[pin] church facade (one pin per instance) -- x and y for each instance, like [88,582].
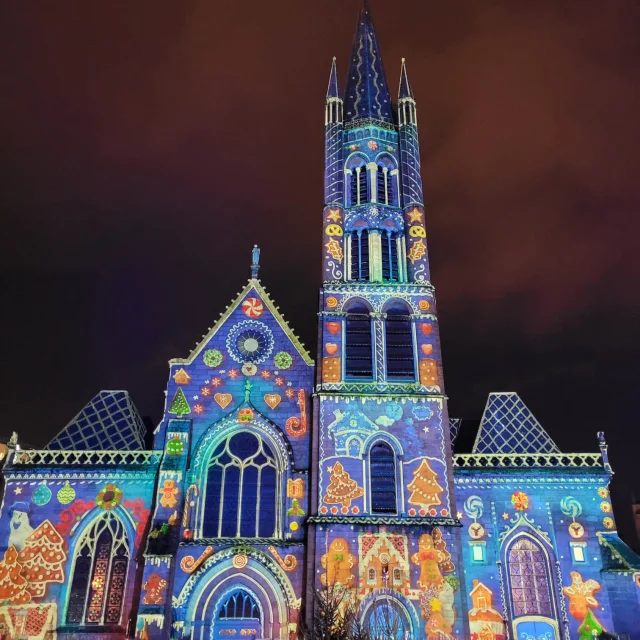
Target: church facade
[275,477]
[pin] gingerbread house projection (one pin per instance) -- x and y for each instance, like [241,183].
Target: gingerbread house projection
[274,479]
[485,623]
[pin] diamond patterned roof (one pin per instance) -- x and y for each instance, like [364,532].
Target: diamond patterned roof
[507,426]
[109,421]
[454,429]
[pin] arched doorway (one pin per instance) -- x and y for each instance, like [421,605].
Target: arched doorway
[385,617]
[238,616]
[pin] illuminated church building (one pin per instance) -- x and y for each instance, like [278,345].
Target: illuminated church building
[274,476]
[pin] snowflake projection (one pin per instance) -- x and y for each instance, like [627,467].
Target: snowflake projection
[250,341]
[334,249]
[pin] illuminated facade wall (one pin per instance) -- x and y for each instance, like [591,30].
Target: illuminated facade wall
[273,477]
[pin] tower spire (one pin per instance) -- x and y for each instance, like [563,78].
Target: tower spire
[367,92]
[332,89]
[404,91]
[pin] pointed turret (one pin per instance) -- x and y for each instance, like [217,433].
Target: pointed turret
[367,92]
[404,90]
[332,89]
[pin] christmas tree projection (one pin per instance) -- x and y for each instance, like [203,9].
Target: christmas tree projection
[425,490]
[43,559]
[13,586]
[342,489]
[179,405]
[590,627]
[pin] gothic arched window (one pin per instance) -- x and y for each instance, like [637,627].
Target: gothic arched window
[529,579]
[399,344]
[242,489]
[390,268]
[382,478]
[358,344]
[360,255]
[99,573]
[239,605]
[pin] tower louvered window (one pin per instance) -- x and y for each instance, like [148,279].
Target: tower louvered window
[382,477]
[241,489]
[390,268]
[360,255]
[364,185]
[399,344]
[358,345]
[99,574]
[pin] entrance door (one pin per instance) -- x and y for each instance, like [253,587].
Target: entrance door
[238,617]
[536,630]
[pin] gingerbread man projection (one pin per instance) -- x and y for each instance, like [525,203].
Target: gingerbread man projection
[169,493]
[154,587]
[339,565]
[428,558]
[433,559]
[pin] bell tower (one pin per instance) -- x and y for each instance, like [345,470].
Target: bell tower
[382,485]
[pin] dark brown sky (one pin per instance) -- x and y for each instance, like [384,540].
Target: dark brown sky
[145,146]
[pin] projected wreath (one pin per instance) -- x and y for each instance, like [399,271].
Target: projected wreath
[250,341]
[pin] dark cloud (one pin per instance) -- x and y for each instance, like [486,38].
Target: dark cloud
[146,146]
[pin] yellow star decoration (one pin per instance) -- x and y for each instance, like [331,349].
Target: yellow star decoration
[334,215]
[17,491]
[460,516]
[415,215]
[505,516]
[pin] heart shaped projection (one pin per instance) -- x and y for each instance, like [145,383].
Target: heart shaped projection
[331,348]
[427,349]
[273,399]
[333,327]
[223,399]
[426,328]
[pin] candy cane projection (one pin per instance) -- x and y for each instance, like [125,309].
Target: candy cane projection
[189,503]
[295,426]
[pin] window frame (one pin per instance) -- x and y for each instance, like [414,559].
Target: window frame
[375,443]
[280,479]
[407,313]
[111,522]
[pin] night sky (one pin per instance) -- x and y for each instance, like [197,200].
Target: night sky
[146,146]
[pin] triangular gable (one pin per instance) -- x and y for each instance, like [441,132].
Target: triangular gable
[109,420]
[507,426]
[262,294]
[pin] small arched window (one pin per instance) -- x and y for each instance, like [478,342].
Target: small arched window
[359,185]
[99,574]
[390,268]
[382,478]
[399,344]
[371,575]
[358,345]
[360,255]
[241,490]
[239,605]
[529,579]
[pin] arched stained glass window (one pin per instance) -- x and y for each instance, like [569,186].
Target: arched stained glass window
[239,605]
[99,573]
[529,579]
[399,344]
[382,477]
[242,489]
[358,346]
[360,255]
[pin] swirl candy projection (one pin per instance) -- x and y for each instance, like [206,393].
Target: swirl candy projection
[473,507]
[570,507]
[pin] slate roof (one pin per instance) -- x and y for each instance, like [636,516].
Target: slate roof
[617,556]
[109,420]
[507,426]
